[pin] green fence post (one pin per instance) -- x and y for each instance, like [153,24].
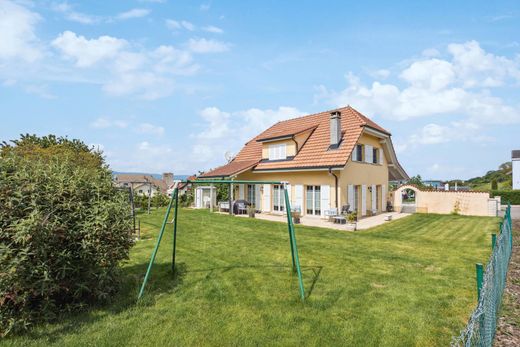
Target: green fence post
[493,241]
[176,192]
[294,247]
[154,253]
[480,278]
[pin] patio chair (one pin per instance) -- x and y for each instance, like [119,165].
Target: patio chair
[241,208]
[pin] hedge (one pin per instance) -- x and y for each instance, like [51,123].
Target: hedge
[64,230]
[512,196]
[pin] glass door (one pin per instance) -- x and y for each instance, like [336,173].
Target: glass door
[251,198]
[313,200]
[278,198]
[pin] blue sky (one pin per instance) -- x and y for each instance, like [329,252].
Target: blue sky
[172,85]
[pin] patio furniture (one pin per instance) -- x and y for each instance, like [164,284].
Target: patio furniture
[330,213]
[388,217]
[345,209]
[241,207]
[223,206]
[339,220]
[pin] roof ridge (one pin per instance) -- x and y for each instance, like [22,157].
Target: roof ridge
[314,114]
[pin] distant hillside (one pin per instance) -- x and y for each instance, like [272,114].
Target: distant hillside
[158,176]
[502,176]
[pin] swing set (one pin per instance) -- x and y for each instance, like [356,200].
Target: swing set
[174,201]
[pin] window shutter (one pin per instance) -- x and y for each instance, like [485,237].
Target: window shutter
[283,151]
[257,197]
[289,192]
[354,154]
[325,198]
[364,200]
[383,198]
[298,192]
[374,197]
[368,154]
[266,203]
[241,195]
[351,197]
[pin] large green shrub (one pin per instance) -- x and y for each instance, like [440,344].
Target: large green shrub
[512,196]
[64,229]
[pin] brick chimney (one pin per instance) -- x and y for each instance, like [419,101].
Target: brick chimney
[168,178]
[335,129]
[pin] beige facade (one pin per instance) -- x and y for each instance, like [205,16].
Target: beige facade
[446,202]
[360,184]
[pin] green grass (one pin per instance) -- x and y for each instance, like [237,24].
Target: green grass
[410,282]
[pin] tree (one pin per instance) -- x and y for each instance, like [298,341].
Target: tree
[64,230]
[417,181]
[494,184]
[48,147]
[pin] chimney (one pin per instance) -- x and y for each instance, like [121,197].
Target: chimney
[335,129]
[168,178]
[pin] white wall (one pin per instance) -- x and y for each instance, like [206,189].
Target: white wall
[516,174]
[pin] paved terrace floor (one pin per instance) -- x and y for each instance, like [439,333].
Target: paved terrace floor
[362,224]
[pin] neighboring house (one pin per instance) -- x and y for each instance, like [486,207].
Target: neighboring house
[434,184]
[184,187]
[515,158]
[143,184]
[330,159]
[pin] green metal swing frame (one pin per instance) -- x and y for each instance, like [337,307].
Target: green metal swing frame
[174,201]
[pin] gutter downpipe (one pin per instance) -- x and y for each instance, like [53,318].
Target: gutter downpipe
[336,189]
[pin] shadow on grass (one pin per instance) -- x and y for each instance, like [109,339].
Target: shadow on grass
[162,281]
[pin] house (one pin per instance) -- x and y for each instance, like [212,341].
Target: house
[515,159]
[183,187]
[144,184]
[330,159]
[435,184]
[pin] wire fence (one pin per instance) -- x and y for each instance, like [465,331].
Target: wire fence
[481,327]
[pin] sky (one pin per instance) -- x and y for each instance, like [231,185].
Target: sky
[172,86]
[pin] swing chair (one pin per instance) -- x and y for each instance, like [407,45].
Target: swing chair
[174,201]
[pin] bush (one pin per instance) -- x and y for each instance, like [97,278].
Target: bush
[512,196]
[64,229]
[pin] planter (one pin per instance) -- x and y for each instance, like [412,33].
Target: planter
[251,212]
[351,226]
[296,215]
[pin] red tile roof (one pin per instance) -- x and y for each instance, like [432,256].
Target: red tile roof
[314,153]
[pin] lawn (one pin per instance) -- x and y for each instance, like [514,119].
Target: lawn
[410,282]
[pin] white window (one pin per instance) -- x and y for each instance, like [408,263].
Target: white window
[313,200]
[277,152]
[251,194]
[278,198]
[358,153]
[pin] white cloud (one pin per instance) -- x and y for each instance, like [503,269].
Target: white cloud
[147,128]
[74,16]
[213,29]
[228,131]
[17,32]
[201,45]
[104,123]
[205,7]
[434,86]
[177,25]
[133,13]
[87,52]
